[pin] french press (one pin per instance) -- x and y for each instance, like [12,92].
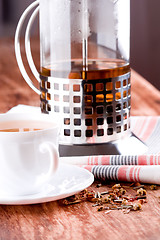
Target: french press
[84,72]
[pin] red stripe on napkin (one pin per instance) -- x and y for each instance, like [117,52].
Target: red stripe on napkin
[142,160]
[122,173]
[105,160]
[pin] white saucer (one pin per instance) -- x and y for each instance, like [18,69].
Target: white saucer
[67,181]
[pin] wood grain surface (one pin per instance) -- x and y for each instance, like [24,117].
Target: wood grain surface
[81,221]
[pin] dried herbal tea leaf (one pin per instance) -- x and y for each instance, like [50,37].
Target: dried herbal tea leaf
[90,195]
[83,192]
[75,202]
[95,200]
[96,204]
[126,211]
[106,200]
[65,202]
[108,211]
[137,206]
[100,209]
[141,201]
[116,186]
[136,184]
[137,187]
[141,192]
[104,193]
[124,201]
[122,191]
[97,195]
[153,187]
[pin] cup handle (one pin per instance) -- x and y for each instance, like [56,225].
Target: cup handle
[27,46]
[54,159]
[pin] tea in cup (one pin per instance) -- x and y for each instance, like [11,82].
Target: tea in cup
[28,153]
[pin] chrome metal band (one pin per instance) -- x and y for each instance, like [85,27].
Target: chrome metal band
[92,111]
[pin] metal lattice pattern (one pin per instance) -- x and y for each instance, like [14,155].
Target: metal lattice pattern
[92,111]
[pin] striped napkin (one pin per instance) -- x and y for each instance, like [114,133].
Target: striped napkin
[132,168]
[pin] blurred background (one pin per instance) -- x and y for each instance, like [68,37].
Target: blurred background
[145,33]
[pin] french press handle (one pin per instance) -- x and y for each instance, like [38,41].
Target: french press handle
[27,45]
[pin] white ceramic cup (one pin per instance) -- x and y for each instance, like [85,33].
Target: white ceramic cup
[28,159]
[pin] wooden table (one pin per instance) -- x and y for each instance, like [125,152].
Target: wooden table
[80,221]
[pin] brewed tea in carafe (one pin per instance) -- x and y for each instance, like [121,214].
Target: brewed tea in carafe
[84,36]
